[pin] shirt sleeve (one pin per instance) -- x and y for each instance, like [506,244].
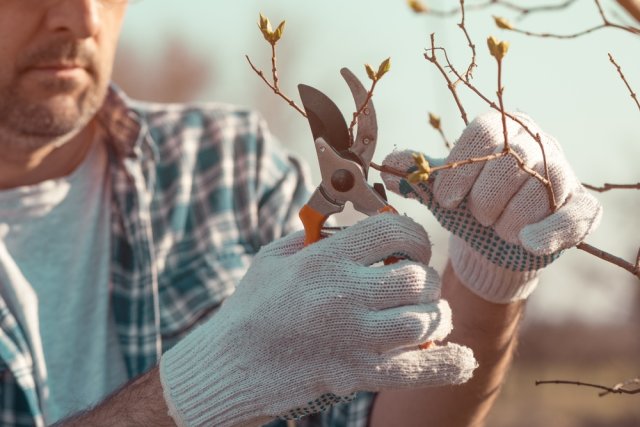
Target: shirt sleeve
[283,187]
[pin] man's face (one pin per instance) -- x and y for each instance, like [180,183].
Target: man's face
[55,66]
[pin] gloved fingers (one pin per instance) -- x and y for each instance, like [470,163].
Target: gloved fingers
[377,238]
[565,228]
[439,365]
[532,202]
[408,326]
[484,136]
[402,161]
[286,246]
[400,284]
[501,179]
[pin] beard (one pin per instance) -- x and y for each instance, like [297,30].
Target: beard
[37,112]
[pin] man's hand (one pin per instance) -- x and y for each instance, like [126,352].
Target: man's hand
[503,232]
[309,324]
[503,227]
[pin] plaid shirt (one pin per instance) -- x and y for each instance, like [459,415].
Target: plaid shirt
[196,191]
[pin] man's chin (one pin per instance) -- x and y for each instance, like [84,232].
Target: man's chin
[55,116]
[32,119]
[51,123]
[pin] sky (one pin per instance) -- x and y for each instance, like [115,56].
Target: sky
[568,86]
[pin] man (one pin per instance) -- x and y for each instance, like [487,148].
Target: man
[125,225]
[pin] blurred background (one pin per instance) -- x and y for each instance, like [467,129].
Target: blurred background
[583,323]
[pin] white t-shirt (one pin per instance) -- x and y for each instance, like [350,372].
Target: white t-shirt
[59,240]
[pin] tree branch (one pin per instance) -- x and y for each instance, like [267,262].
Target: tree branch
[606,23]
[633,269]
[634,96]
[274,87]
[609,187]
[617,389]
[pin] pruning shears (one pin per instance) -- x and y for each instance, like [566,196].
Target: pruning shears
[344,161]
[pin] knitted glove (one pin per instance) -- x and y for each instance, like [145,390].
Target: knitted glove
[503,230]
[309,324]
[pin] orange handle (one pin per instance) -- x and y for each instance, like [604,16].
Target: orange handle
[390,209]
[312,220]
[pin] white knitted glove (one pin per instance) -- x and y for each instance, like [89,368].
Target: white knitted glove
[309,324]
[503,230]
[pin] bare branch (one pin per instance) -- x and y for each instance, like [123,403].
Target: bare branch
[499,93]
[446,141]
[272,37]
[617,389]
[274,87]
[468,75]
[506,4]
[634,96]
[606,23]
[633,269]
[532,9]
[609,187]
[450,85]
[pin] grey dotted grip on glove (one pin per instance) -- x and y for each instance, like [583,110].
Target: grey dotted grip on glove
[503,229]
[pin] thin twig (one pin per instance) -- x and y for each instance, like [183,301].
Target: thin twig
[388,169]
[453,165]
[544,8]
[274,66]
[500,91]
[606,23]
[634,96]
[631,30]
[609,187]
[509,5]
[450,85]
[470,161]
[275,89]
[633,269]
[621,386]
[607,390]
[446,141]
[469,74]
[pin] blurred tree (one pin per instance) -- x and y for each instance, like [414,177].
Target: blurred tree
[175,74]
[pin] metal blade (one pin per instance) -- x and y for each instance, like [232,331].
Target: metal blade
[366,138]
[325,119]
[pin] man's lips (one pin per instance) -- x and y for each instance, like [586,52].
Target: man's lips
[60,70]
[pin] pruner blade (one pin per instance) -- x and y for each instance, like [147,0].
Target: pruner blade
[325,119]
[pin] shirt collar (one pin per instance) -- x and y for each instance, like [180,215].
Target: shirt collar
[123,124]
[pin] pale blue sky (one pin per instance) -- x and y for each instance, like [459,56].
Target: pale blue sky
[569,87]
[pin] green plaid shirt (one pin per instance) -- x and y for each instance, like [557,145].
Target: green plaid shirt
[196,191]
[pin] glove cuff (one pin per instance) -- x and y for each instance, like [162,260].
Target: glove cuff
[488,280]
[203,386]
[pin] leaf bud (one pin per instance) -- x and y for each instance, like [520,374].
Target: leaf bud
[503,23]
[498,49]
[434,121]
[417,6]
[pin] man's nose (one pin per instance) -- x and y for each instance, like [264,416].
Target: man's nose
[79,17]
